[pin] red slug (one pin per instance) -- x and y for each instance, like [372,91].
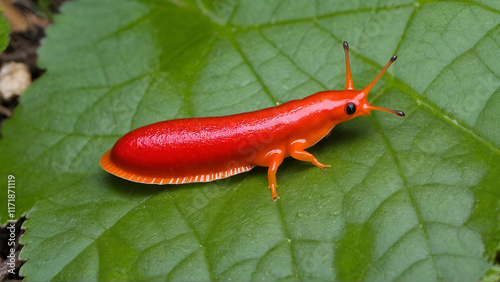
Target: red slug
[205,149]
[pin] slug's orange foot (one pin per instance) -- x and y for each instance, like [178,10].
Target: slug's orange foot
[320,165]
[274,194]
[299,154]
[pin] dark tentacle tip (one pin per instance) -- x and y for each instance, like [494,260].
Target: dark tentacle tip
[346,46]
[393,58]
[400,113]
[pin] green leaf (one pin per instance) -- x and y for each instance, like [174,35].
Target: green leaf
[493,274]
[406,199]
[4,33]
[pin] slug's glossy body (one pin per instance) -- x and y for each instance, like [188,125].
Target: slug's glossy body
[206,149]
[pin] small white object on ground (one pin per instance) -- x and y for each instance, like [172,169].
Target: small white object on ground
[14,79]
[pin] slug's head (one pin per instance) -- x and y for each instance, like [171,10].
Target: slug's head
[354,101]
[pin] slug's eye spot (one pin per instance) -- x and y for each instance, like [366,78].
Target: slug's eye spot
[350,109]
